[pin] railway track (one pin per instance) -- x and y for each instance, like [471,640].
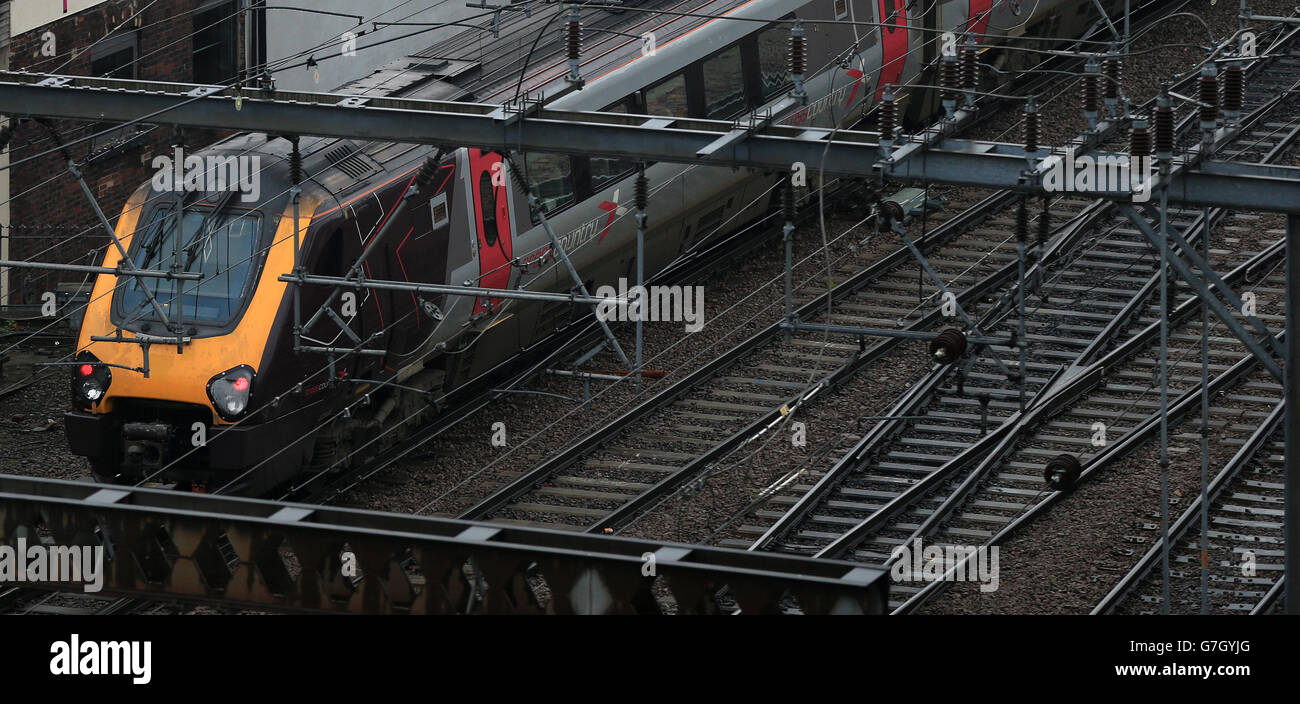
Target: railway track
[944,420]
[1244,562]
[991,485]
[1241,397]
[998,493]
[611,475]
[551,353]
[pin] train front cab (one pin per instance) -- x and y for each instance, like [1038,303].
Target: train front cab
[194,421]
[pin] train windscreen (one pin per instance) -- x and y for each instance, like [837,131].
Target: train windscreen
[220,245]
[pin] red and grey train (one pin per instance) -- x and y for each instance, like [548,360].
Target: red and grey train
[268,413]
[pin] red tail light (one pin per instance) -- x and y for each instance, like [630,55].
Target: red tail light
[230,391]
[90,380]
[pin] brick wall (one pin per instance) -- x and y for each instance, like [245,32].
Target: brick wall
[51,219]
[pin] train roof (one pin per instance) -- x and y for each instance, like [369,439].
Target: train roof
[474,65]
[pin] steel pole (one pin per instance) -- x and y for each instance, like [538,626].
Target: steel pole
[1164,402]
[640,287]
[1292,530]
[1205,433]
[1127,33]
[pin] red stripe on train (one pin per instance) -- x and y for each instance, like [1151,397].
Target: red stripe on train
[977,17]
[893,44]
[494,252]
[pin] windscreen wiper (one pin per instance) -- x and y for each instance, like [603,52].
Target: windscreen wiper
[194,242]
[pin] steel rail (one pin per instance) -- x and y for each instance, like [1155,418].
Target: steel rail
[464,401]
[530,479]
[1270,598]
[1008,441]
[914,396]
[1129,442]
[1187,519]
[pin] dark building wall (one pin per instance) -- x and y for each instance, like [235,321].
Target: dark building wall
[51,219]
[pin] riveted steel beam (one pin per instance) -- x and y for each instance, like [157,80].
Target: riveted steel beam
[851,153]
[171,545]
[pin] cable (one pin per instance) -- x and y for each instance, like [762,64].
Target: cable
[134,121]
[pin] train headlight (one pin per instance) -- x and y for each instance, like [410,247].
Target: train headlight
[90,380]
[231,390]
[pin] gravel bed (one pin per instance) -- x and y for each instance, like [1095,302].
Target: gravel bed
[32,442]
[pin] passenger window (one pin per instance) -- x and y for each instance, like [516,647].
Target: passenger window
[724,85]
[551,175]
[773,66]
[487,195]
[604,172]
[667,98]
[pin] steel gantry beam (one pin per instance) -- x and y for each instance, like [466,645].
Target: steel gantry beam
[162,544]
[1201,288]
[851,153]
[1291,505]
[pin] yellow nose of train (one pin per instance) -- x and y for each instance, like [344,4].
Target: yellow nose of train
[166,379]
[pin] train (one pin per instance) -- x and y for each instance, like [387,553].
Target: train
[253,381]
